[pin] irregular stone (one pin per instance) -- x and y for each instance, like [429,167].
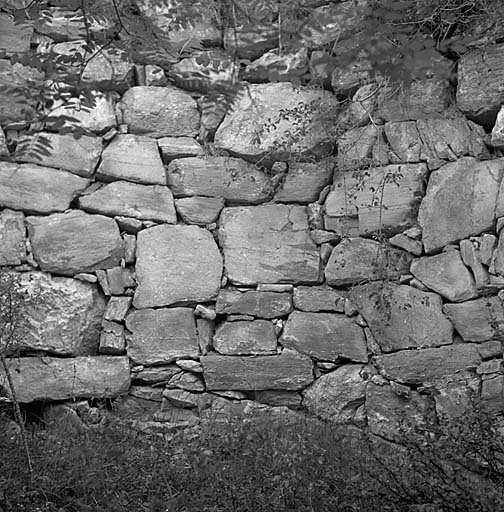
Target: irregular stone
[187,381]
[190,365]
[492,390]
[144,202]
[129,248]
[188,400]
[132,158]
[305,181]
[470,258]
[320,237]
[4,150]
[455,394]
[78,156]
[325,336]
[198,209]
[401,316]
[480,73]
[12,238]
[460,201]
[179,147]
[116,280]
[487,367]
[255,303]
[146,393]
[205,334]
[176,264]
[497,138]
[160,336]
[250,41]
[445,274]
[359,259]
[112,341]
[155,75]
[160,112]
[497,263]
[486,248]
[259,126]
[235,180]
[36,189]
[245,338]
[156,374]
[316,299]
[362,106]
[286,371]
[135,409]
[489,349]
[61,25]
[268,244]
[129,225]
[204,312]
[271,67]
[48,378]
[74,242]
[14,37]
[355,148]
[408,244]
[338,396]
[289,399]
[277,288]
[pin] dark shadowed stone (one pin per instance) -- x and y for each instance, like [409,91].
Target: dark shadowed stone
[315,299]
[255,303]
[289,399]
[233,179]
[250,41]
[245,338]
[145,202]
[12,238]
[497,261]
[268,244]
[460,201]
[160,336]
[47,378]
[74,242]
[428,364]
[401,316]
[36,189]
[325,336]
[198,209]
[176,264]
[286,371]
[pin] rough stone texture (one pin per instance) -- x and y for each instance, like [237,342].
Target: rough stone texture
[146,202]
[14,38]
[289,399]
[325,336]
[340,395]
[36,189]
[155,374]
[305,181]
[429,364]
[112,340]
[160,336]
[198,209]
[62,25]
[47,378]
[477,320]
[268,244]
[233,179]
[178,147]
[117,307]
[445,274]
[286,371]
[248,130]
[460,201]
[401,316]
[4,150]
[355,148]
[358,259]
[402,241]
[245,338]
[250,41]
[255,303]
[132,158]
[74,242]
[176,264]
[160,112]
[12,238]
[497,262]
[284,67]
[479,91]
[78,156]
[497,138]
[315,299]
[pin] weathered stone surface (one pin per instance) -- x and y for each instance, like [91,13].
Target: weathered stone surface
[155,374]
[4,150]
[12,238]
[428,364]
[160,112]
[289,399]
[268,244]
[358,259]
[160,336]
[245,338]
[401,316]
[355,148]
[198,209]
[132,158]
[74,242]
[112,341]
[460,201]
[117,307]
[205,334]
[492,390]
[477,320]
[479,94]
[47,378]
[497,138]
[445,274]
[339,396]
[497,262]
[235,180]
[402,241]
[176,264]
[179,147]
[325,336]
[36,189]
[287,371]
[188,381]
[305,181]
[255,303]
[283,67]
[145,202]
[250,41]
[61,25]
[79,156]
[386,199]
[315,299]
[116,280]
[14,38]
[256,128]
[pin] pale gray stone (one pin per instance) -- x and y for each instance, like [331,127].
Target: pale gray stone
[155,75]
[244,338]
[117,307]
[205,334]
[491,348]
[160,336]
[146,393]
[256,303]
[179,147]
[4,150]
[14,37]
[497,138]
[190,365]
[470,257]
[74,242]
[315,299]
[355,148]
[62,25]
[283,67]
[199,209]
[290,399]
[408,244]
[112,341]
[176,264]
[250,41]
[492,389]
[156,374]
[487,245]
[188,400]
[12,238]
[187,381]
[497,263]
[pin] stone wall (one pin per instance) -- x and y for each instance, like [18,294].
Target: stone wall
[192,264]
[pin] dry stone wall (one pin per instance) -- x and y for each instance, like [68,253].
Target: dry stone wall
[192,264]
